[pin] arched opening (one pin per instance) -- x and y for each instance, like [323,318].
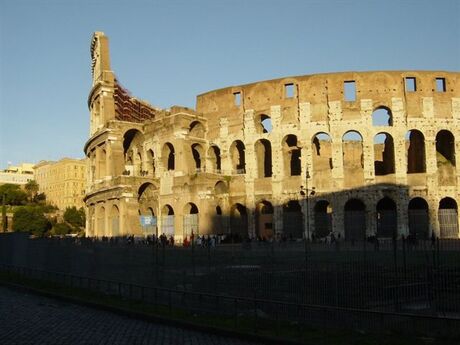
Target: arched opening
[220,223]
[323,219]
[264,124]
[238,222]
[292,220]
[353,159]
[382,117]
[133,141]
[387,218]
[220,188]
[238,158]
[264,220]
[415,144]
[196,129]
[448,218]
[263,153]
[191,220]
[418,218]
[321,148]
[197,152]
[151,163]
[102,163]
[167,220]
[355,220]
[115,221]
[100,231]
[214,159]
[445,158]
[167,155]
[291,156]
[384,155]
[147,197]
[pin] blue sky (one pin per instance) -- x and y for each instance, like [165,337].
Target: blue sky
[167,52]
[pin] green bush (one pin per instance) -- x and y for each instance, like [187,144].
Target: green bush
[62,229]
[30,219]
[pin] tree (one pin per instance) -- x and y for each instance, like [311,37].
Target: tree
[30,219]
[14,195]
[31,188]
[62,229]
[75,217]
[39,198]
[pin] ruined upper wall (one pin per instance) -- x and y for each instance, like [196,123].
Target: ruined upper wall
[322,89]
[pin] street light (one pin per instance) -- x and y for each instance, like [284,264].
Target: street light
[304,191]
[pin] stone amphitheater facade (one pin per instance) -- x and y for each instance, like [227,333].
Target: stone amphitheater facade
[356,153]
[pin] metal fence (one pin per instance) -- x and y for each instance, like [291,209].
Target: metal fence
[253,315]
[384,285]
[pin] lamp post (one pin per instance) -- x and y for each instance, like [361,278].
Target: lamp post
[305,191]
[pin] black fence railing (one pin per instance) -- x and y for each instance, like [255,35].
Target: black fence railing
[254,315]
[392,281]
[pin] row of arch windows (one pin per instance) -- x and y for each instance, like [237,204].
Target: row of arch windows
[354,217]
[384,154]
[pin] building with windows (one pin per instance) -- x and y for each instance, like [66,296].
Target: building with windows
[20,174]
[63,182]
[356,153]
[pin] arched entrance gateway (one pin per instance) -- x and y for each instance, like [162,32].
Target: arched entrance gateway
[448,218]
[115,221]
[292,219]
[355,220]
[167,220]
[387,224]
[190,220]
[323,219]
[264,220]
[239,221]
[418,218]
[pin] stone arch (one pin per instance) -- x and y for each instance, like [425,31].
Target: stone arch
[237,156]
[263,123]
[419,220]
[382,116]
[114,221]
[384,154]
[220,188]
[445,158]
[291,156]
[151,162]
[191,214]
[323,218]
[448,218]
[264,220]
[387,218]
[197,129]
[168,156]
[167,220]
[293,219]
[238,221]
[147,196]
[102,163]
[263,153]
[133,140]
[214,159]
[100,231]
[416,159]
[353,158]
[197,153]
[355,220]
[220,226]
[321,148]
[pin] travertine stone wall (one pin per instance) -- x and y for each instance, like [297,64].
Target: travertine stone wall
[133,171]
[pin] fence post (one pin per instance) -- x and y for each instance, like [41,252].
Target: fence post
[235,313]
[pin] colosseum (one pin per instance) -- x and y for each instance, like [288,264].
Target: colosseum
[354,153]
